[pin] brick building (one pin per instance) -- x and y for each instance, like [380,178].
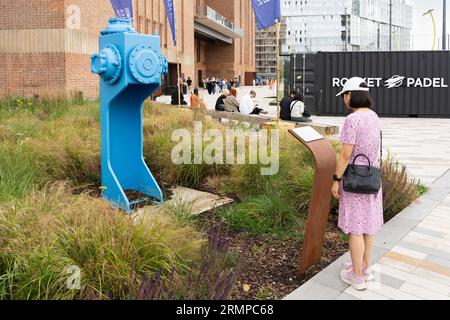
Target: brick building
[45,45]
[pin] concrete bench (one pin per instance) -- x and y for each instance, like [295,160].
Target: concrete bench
[268,122]
[238,116]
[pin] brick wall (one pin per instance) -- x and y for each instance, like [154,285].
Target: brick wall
[29,74]
[34,14]
[79,76]
[94,17]
[94,14]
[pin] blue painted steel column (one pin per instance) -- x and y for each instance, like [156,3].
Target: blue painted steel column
[130,66]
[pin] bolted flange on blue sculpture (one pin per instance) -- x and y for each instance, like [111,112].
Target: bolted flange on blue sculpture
[130,66]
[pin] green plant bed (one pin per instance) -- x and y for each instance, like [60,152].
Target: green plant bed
[50,153]
[51,230]
[268,213]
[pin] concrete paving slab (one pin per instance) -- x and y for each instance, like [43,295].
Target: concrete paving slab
[419,209]
[198,202]
[430,232]
[346,296]
[314,291]
[393,232]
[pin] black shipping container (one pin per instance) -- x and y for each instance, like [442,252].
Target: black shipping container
[403,83]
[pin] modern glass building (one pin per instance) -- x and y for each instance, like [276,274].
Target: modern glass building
[346,25]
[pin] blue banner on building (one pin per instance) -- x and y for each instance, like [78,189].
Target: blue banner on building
[170,10]
[123,8]
[267,12]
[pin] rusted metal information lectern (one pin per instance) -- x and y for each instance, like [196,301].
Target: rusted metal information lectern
[325,166]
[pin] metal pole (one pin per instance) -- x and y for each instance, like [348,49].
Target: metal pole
[304,72]
[378,37]
[277,24]
[178,72]
[346,30]
[178,80]
[295,76]
[444,28]
[390,25]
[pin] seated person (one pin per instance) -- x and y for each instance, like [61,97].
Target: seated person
[174,98]
[197,101]
[298,112]
[220,104]
[231,103]
[285,106]
[247,105]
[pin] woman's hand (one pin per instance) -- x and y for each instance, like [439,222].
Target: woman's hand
[335,190]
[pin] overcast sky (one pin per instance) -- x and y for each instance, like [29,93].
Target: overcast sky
[422,26]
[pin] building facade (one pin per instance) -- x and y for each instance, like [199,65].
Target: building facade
[45,45]
[346,25]
[224,33]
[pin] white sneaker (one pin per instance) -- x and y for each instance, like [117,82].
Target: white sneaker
[350,278]
[367,273]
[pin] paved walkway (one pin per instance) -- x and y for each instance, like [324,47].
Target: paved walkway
[412,254]
[423,145]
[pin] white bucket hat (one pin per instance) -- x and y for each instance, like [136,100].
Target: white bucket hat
[353,84]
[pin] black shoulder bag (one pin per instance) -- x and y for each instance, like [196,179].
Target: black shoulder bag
[363,179]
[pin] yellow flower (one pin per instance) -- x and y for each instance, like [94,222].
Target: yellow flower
[30,104]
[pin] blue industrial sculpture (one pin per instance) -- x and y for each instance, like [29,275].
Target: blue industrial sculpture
[130,66]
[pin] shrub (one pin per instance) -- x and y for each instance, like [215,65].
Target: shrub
[43,108]
[18,172]
[36,151]
[213,279]
[52,229]
[267,213]
[293,182]
[180,210]
[398,190]
[159,124]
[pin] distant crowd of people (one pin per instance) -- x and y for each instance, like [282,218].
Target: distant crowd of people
[212,85]
[227,101]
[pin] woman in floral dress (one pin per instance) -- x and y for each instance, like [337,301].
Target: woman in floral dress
[360,215]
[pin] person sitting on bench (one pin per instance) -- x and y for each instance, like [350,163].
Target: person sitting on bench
[174,97]
[247,105]
[231,103]
[285,106]
[197,101]
[220,104]
[298,112]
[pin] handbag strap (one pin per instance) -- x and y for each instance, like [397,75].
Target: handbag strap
[381,148]
[381,152]
[361,155]
[293,104]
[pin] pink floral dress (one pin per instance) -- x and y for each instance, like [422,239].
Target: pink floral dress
[362,213]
